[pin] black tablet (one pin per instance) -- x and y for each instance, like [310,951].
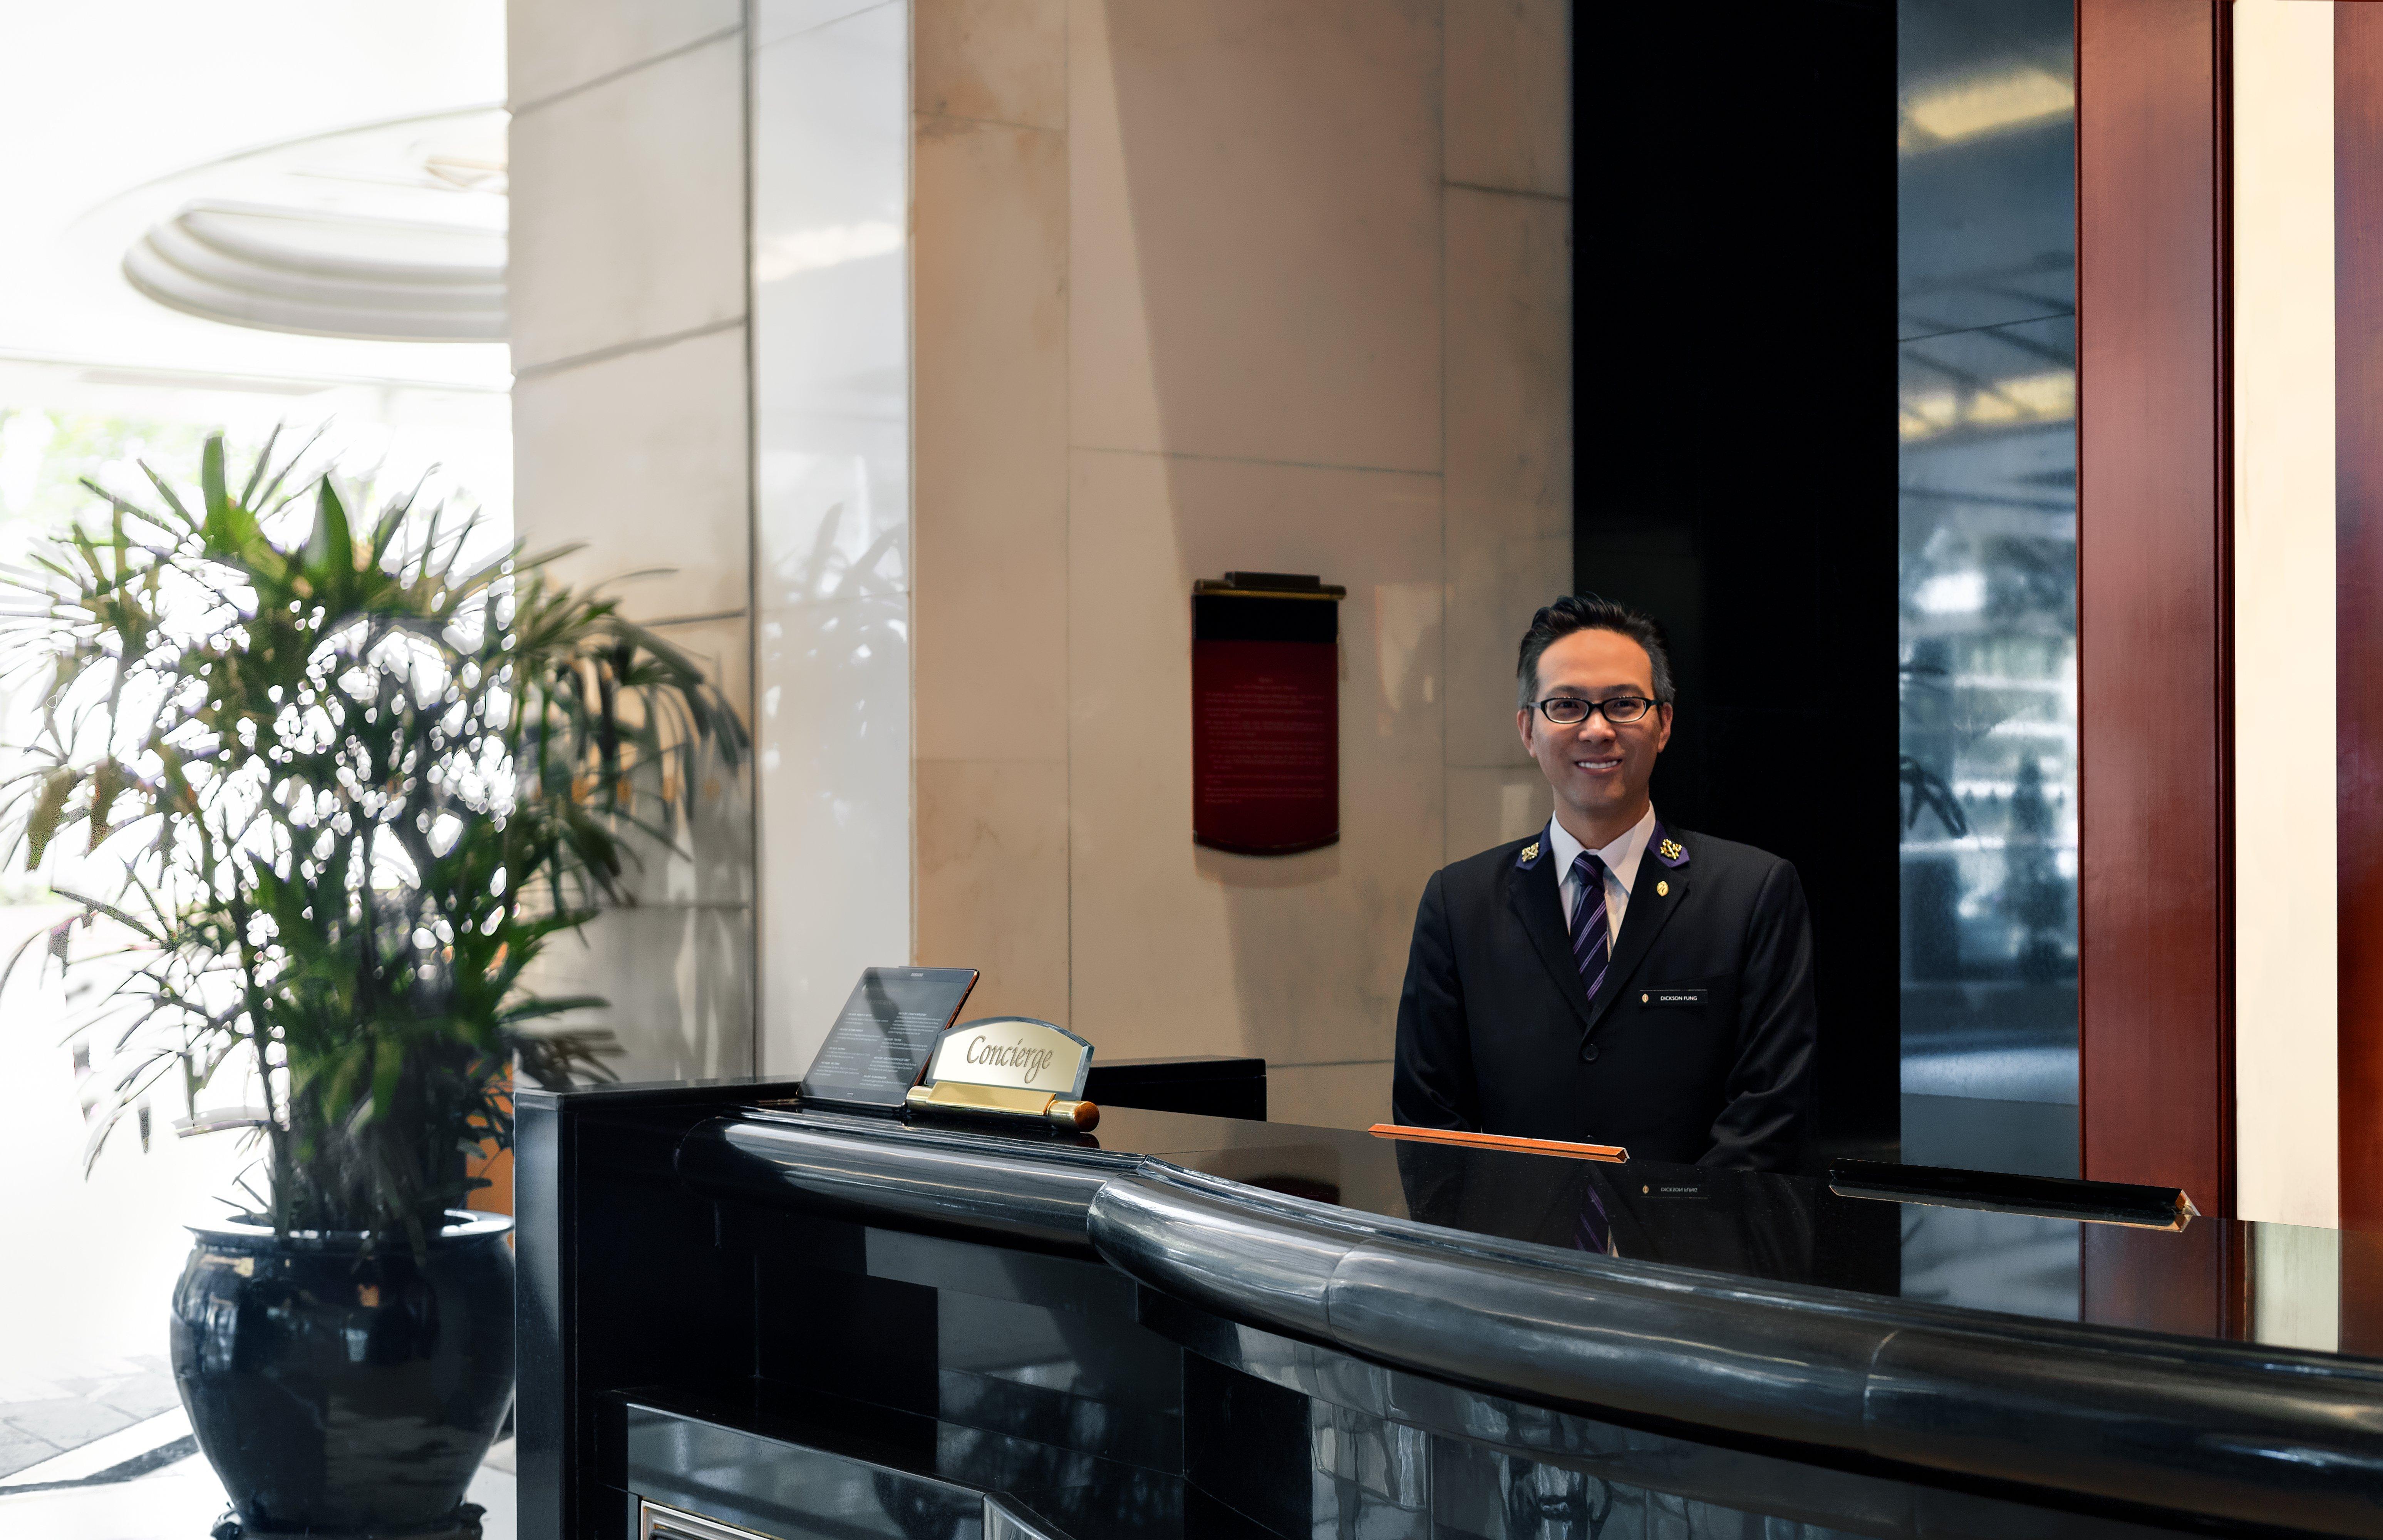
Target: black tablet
[875,1051]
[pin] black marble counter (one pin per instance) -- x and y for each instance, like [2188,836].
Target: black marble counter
[1201,1326]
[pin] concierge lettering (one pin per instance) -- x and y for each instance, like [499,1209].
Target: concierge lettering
[1011,1055]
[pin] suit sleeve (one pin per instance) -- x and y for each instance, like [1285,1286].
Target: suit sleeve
[1766,1103]
[1431,1085]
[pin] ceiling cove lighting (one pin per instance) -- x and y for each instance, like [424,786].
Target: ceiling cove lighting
[1984,104]
[2029,400]
[391,231]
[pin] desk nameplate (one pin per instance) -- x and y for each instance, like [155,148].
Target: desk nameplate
[1009,1066]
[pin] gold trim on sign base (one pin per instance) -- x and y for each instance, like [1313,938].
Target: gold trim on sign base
[959,1096]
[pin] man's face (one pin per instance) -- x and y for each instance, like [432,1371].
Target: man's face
[1598,769]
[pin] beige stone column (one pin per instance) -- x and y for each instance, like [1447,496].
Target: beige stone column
[627,284]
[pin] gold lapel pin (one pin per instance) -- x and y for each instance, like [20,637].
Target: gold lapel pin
[1662,890]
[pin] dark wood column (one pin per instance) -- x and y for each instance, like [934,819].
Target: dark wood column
[2358,589]
[2153,517]
[2197,1282]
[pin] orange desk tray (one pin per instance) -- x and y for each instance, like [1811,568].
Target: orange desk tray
[1502,1141]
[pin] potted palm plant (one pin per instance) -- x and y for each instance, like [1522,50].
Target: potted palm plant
[322,789]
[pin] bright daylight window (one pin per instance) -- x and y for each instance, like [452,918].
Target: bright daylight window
[261,215]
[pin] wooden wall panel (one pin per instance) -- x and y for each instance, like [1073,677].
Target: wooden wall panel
[2361,1292]
[2156,870]
[2358,590]
[2196,1282]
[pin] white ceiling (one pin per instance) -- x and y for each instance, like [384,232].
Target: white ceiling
[101,99]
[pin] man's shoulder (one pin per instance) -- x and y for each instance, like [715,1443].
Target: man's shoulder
[1711,855]
[1483,869]
[1707,854]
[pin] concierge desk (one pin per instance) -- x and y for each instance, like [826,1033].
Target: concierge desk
[741,1316]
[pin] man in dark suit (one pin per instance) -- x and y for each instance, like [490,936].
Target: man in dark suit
[1609,981]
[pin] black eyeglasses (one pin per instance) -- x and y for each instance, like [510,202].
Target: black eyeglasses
[1571,710]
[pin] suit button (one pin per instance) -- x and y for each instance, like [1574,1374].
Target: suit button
[1588,1054]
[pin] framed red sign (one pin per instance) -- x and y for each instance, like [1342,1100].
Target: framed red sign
[1265,713]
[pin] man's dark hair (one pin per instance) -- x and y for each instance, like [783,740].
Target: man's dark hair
[1587,613]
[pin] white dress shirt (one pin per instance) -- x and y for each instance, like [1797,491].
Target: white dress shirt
[1621,860]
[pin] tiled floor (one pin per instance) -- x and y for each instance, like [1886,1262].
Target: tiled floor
[182,1501]
[41,1418]
[85,1298]
[85,1386]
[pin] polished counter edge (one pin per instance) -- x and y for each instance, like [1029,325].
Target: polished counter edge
[2228,1431]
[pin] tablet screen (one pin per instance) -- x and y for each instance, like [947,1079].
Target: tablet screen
[879,1045]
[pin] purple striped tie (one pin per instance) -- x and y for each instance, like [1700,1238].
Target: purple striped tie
[1591,942]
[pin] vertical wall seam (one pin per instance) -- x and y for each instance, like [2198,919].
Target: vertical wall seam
[910,455]
[540,103]
[2222,558]
[1447,579]
[2083,397]
[753,590]
[1067,514]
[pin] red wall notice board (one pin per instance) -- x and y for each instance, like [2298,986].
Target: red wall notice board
[1265,714]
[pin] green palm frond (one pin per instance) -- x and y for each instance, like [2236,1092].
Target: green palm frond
[349,784]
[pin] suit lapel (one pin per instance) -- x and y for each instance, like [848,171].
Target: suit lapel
[1661,887]
[1531,894]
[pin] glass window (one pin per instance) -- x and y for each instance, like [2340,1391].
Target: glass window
[1986,195]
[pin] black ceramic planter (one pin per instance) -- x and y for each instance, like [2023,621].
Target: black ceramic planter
[338,1393]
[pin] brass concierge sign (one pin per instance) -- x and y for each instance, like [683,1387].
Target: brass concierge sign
[1010,1066]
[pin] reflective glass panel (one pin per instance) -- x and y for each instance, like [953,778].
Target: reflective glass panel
[1986,193]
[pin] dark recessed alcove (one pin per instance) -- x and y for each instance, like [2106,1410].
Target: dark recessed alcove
[1734,406]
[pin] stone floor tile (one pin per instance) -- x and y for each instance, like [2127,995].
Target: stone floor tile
[143,1394]
[20,1450]
[180,1501]
[66,1421]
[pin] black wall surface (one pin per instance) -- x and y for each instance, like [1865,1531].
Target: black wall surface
[1734,400]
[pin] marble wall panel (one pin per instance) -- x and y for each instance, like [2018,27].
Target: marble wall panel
[833,787]
[992,880]
[1509,466]
[832,340]
[990,292]
[629,434]
[1329,1095]
[1182,950]
[641,458]
[554,45]
[678,983]
[776,20]
[1255,232]
[1263,261]
[710,860]
[1509,379]
[1490,806]
[831,392]
[723,648]
[1509,94]
[1002,61]
[628,208]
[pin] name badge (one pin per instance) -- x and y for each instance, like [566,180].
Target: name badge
[1671,997]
